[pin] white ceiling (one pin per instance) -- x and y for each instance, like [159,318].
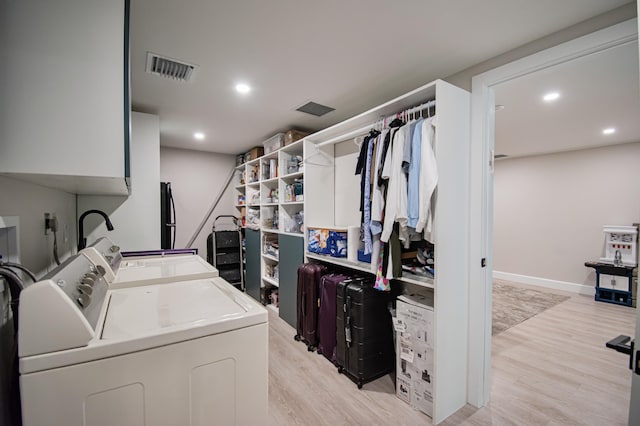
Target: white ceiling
[350,55]
[596,92]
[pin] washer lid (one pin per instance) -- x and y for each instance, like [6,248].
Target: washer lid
[211,306]
[162,270]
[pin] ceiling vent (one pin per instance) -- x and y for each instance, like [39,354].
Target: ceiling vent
[315,109]
[170,68]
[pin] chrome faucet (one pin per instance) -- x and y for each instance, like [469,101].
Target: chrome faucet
[82,241]
[617,258]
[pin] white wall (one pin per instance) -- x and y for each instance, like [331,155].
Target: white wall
[196,179]
[29,202]
[136,219]
[549,210]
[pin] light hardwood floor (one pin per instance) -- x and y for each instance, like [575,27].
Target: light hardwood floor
[552,369]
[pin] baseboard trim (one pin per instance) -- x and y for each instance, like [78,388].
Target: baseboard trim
[544,282]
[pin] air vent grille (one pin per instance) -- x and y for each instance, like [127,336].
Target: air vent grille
[170,68]
[315,109]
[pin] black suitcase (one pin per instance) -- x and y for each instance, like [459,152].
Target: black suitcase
[364,336]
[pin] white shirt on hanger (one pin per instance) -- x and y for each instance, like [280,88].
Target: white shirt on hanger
[428,177]
[396,210]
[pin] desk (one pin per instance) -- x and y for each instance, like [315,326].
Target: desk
[614,284]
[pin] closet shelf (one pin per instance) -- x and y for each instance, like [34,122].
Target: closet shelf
[292,175]
[270,231]
[256,183]
[292,203]
[293,234]
[270,257]
[366,267]
[271,180]
[268,204]
[270,281]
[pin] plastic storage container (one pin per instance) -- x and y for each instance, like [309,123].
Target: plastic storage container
[274,143]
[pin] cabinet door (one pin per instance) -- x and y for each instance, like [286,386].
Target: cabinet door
[252,243]
[65,107]
[291,256]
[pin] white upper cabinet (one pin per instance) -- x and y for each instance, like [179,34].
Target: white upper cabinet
[63,103]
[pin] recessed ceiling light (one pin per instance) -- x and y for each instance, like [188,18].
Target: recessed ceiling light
[199,136]
[608,131]
[552,96]
[243,88]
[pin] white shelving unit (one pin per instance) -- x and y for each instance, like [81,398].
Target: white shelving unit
[270,189]
[332,199]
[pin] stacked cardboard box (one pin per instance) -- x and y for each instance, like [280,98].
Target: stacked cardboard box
[414,350]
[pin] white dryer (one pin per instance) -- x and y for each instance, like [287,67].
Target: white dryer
[180,353]
[143,270]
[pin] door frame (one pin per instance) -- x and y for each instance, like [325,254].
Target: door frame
[481,181]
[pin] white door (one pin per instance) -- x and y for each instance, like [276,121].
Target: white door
[634,405]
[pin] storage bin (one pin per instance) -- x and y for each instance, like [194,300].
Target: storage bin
[331,241]
[273,143]
[293,136]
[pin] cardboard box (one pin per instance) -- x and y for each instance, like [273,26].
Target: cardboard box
[414,350]
[293,136]
[254,153]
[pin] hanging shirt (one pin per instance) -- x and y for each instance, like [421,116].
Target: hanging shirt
[407,156]
[397,189]
[428,177]
[368,244]
[413,181]
[377,199]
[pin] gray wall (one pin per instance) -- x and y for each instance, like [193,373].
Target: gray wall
[196,178]
[136,218]
[549,210]
[29,202]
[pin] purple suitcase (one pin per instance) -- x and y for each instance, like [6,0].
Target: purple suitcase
[309,275]
[327,315]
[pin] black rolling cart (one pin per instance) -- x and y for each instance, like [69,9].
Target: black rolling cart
[224,249]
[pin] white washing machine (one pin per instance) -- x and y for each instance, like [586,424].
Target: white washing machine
[143,270]
[180,353]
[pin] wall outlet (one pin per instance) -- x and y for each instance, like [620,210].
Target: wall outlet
[50,223]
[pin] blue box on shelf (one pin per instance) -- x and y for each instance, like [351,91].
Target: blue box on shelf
[364,257]
[331,241]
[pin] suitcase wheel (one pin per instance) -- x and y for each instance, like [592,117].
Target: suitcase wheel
[340,370]
[311,348]
[296,337]
[359,384]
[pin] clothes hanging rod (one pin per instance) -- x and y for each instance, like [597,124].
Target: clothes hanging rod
[357,132]
[364,130]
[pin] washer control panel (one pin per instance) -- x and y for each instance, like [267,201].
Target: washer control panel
[109,251]
[84,283]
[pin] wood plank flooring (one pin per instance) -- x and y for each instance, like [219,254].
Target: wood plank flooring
[552,369]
